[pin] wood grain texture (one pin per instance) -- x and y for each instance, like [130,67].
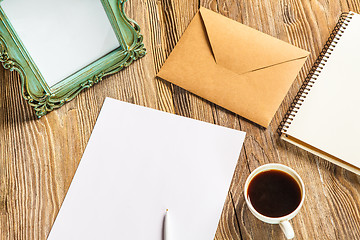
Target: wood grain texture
[38,158]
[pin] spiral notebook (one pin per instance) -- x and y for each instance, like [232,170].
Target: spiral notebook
[325,115]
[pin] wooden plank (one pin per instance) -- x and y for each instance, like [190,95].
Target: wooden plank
[38,158]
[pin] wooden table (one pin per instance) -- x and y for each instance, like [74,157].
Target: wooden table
[38,158]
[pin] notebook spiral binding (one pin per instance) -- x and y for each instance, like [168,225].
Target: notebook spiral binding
[315,71]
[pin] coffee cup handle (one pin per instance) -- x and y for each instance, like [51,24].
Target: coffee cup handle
[287,229]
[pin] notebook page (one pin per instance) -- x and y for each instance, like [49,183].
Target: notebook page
[140,162]
[329,119]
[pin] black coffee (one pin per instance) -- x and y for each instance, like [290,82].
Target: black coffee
[274,193]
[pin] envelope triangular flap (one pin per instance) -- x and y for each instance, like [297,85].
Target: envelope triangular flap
[243,49]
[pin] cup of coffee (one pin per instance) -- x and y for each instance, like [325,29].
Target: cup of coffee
[275,193]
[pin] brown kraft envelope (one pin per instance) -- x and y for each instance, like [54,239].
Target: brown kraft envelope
[234,66]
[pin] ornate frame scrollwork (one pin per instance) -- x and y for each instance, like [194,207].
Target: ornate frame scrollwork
[35,90]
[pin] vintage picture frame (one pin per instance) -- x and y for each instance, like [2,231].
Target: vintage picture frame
[42,97]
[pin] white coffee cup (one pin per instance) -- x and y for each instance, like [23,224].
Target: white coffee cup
[284,220]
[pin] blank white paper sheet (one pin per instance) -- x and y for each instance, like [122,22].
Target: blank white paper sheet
[61,37]
[140,162]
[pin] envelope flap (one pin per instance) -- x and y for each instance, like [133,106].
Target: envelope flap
[243,49]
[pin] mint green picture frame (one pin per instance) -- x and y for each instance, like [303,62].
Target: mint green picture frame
[35,90]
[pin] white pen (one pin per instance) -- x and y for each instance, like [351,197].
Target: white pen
[166,225]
